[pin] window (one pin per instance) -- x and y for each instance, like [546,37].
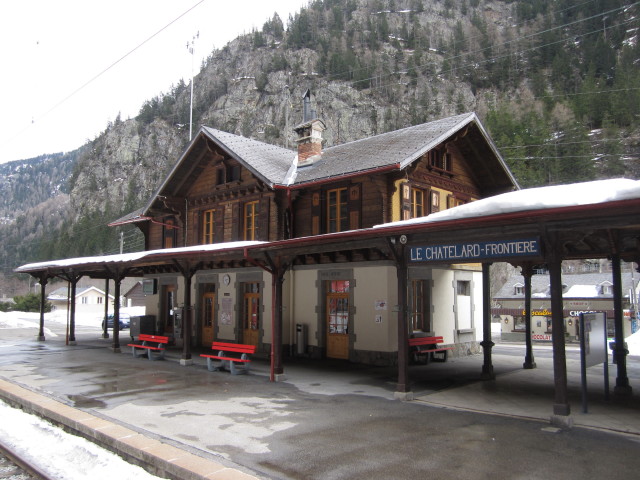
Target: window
[518,289]
[227,174]
[336,209]
[220,176]
[417,203]
[84,300]
[207,227]
[100,300]
[453,201]
[251,220]
[338,306]
[337,219]
[233,173]
[519,323]
[169,233]
[606,289]
[464,288]
[418,304]
[440,160]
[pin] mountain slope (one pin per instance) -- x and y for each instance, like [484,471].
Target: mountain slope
[555,81]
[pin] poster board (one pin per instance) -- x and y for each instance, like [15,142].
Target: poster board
[593,329]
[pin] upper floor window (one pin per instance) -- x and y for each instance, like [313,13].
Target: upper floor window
[169,233]
[336,209]
[251,212]
[440,159]
[606,288]
[227,173]
[518,289]
[207,227]
[417,203]
[337,219]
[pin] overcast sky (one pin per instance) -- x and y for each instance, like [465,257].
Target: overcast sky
[53,53]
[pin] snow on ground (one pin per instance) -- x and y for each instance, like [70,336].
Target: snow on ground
[633,343]
[61,454]
[32,319]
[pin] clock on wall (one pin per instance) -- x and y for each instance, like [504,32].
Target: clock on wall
[226,279]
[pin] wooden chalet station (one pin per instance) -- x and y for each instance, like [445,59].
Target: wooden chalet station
[349,252]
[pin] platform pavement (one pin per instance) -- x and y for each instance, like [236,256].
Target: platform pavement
[515,393]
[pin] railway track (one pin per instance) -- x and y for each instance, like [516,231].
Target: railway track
[15,467]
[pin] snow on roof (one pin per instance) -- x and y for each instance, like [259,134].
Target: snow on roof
[582,291]
[587,193]
[129,257]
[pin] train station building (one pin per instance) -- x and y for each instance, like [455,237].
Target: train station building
[348,252]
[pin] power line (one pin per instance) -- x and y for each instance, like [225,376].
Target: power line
[98,75]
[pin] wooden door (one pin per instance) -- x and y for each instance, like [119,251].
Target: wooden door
[208,321]
[338,319]
[251,323]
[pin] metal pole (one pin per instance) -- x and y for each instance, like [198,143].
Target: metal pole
[43,299]
[583,364]
[527,272]
[620,353]
[487,344]
[403,389]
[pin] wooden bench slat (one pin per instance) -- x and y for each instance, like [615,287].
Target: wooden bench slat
[233,347]
[153,338]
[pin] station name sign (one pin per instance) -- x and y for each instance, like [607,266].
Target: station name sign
[460,252]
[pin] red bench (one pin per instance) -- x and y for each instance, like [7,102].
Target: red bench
[150,344]
[428,346]
[236,365]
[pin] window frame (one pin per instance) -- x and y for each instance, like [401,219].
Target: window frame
[417,208]
[208,226]
[251,213]
[169,232]
[340,208]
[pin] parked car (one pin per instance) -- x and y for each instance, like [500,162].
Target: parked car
[125,321]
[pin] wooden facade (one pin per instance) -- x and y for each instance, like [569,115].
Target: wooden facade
[227,189]
[226,202]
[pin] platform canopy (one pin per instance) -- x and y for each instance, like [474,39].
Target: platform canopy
[577,221]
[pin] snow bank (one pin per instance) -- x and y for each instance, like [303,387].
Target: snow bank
[61,454]
[633,343]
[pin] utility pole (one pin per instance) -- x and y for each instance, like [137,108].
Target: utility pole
[191,49]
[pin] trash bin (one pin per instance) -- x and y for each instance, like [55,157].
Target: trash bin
[145,324]
[301,339]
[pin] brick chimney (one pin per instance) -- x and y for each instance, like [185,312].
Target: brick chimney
[309,134]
